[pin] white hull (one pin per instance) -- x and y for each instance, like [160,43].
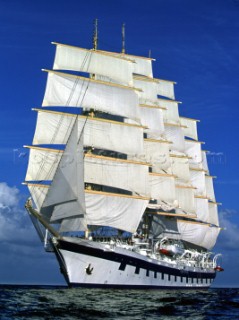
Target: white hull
[92,264]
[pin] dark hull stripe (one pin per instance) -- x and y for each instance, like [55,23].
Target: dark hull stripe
[124,260]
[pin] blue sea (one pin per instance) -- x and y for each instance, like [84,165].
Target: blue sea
[48,302]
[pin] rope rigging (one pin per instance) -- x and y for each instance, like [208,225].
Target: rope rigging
[80,99]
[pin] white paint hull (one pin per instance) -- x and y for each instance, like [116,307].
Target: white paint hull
[90,264]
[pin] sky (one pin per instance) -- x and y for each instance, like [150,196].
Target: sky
[194,42]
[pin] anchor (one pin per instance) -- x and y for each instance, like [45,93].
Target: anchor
[89,270]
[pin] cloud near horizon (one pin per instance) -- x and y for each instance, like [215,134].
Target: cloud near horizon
[229,236]
[15,225]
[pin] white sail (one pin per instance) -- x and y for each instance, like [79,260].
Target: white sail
[123,174]
[202,210]
[213,213]
[93,61]
[170,113]
[101,209]
[149,90]
[209,188]
[68,182]
[193,150]
[180,168]
[191,127]
[71,224]
[55,127]
[162,187]
[73,91]
[192,232]
[156,153]
[117,173]
[185,197]
[141,65]
[210,238]
[166,89]
[152,118]
[175,135]
[204,161]
[116,211]
[198,181]
[38,193]
[42,164]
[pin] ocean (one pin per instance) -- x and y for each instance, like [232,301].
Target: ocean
[48,302]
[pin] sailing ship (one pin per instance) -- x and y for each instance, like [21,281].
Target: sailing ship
[120,187]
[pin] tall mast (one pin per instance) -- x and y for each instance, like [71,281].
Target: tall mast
[123,38]
[95,36]
[95,41]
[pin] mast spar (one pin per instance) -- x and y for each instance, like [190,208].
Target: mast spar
[95,36]
[123,38]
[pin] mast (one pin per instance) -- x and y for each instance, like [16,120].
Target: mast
[123,38]
[95,36]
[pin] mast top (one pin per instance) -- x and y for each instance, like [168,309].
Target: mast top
[123,38]
[95,36]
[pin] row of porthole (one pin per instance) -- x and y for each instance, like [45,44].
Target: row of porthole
[170,277]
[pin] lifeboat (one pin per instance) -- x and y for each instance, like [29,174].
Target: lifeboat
[166,252]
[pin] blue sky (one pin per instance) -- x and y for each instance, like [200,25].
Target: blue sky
[194,42]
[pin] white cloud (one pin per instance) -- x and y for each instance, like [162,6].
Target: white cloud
[15,225]
[8,196]
[22,256]
[229,236]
